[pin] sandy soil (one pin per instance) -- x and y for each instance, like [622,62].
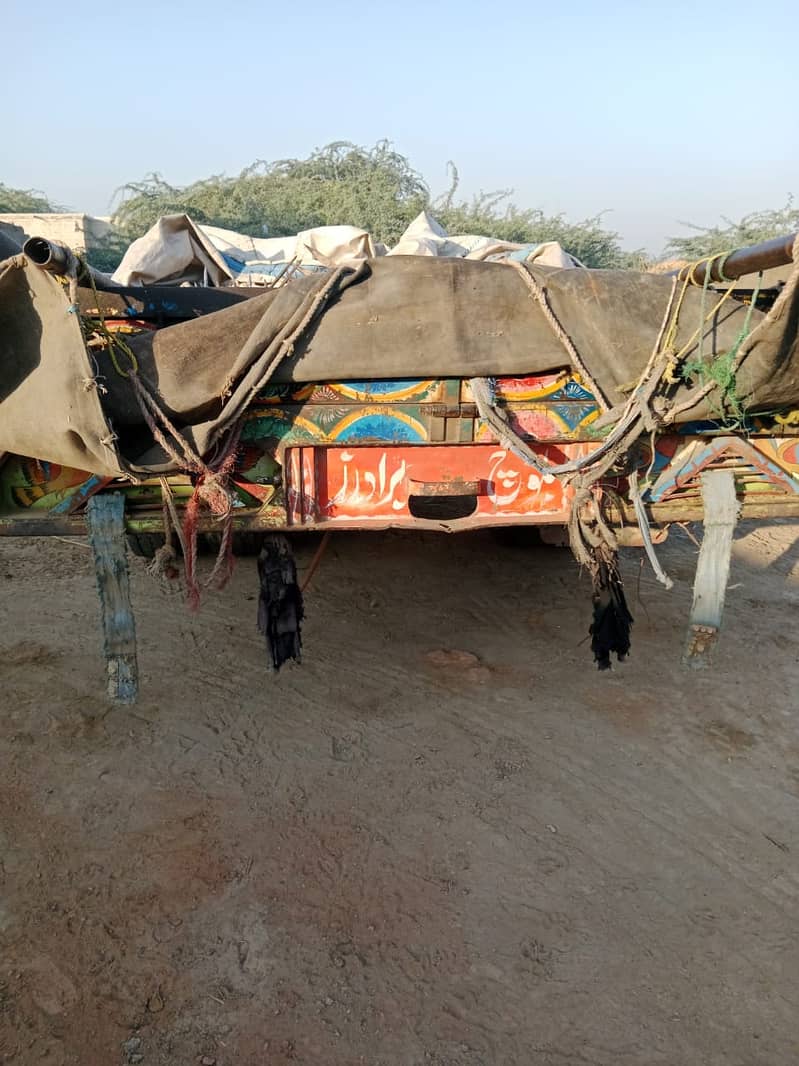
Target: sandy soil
[396,855]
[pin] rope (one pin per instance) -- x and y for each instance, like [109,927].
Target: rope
[14,262]
[162,566]
[211,484]
[588,532]
[111,340]
[282,345]
[635,407]
[211,488]
[539,293]
[320,551]
[721,371]
[718,259]
[785,299]
[497,421]
[670,372]
[643,525]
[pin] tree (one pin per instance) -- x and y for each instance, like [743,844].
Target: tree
[493,214]
[752,228]
[24,201]
[374,188]
[106,252]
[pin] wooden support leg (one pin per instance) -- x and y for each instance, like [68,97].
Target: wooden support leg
[713,568]
[106,521]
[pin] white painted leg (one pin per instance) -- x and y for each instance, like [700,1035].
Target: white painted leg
[713,568]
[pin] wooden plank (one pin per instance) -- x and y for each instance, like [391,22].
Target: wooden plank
[105,518]
[721,510]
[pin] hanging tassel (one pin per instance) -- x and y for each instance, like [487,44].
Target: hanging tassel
[280,607]
[610,629]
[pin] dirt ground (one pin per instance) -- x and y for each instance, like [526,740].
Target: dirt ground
[393,854]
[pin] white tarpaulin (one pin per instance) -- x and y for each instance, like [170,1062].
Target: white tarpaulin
[425,236]
[174,250]
[322,246]
[178,250]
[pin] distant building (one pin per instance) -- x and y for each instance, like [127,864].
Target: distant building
[81,233]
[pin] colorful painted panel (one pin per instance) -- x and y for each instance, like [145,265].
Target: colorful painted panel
[323,424]
[417,390]
[375,484]
[551,421]
[783,452]
[562,386]
[754,471]
[672,450]
[34,484]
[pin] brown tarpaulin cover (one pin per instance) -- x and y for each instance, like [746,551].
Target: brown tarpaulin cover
[395,317]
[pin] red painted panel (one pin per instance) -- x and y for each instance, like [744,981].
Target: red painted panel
[328,483]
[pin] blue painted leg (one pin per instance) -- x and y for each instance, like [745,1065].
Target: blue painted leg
[105,515]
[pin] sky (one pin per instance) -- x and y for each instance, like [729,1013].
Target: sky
[654,113]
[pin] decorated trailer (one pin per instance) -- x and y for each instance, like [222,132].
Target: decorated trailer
[599,406]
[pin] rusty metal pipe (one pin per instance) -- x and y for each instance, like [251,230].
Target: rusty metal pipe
[49,255]
[750,260]
[58,258]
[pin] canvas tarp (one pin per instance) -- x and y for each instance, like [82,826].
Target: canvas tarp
[49,405]
[391,317]
[425,236]
[176,249]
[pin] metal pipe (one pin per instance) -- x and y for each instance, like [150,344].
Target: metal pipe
[750,260]
[49,255]
[58,258]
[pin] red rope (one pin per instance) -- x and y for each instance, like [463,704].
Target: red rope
[211,488]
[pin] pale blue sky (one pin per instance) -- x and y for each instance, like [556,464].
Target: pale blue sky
[656,112]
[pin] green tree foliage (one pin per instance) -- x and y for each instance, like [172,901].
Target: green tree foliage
[493,214]
[24,201]
[374,188]
[106,252]
[758,226]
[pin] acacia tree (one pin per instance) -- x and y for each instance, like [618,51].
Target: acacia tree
[494,214]
[374,188]
[752,228]
[24,201]
[378,190]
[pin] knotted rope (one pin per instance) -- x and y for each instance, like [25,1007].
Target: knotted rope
[647,409]
[211,488]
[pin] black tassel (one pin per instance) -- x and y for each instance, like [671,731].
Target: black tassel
[610,630]
[280,607]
